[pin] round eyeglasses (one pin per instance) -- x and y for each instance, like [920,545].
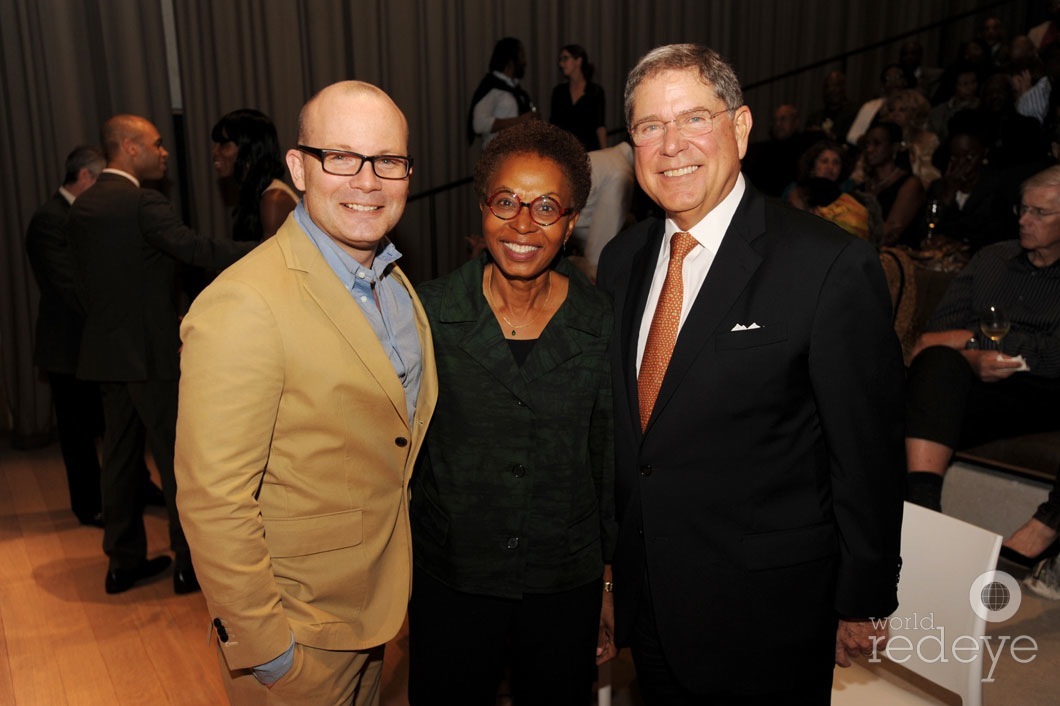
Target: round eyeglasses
[544,210]
[694,123]
[343,163]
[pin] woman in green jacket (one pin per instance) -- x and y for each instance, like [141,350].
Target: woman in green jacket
[512,504]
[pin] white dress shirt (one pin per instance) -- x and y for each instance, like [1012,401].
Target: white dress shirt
[708,233]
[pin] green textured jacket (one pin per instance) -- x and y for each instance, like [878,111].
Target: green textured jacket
[514,491]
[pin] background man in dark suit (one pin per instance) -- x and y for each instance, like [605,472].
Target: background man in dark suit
[58,334]
[126,242]
[760,494]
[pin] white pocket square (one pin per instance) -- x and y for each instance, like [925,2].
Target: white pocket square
[741,327]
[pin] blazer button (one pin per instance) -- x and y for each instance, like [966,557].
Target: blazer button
[513,543]
[222,634]
[401,441]
[519,470]
[645,470]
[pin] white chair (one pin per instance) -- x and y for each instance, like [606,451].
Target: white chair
[941,559]
[603,685]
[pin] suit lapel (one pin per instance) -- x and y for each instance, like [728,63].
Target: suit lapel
[641,272]
[324,288]
[732,269]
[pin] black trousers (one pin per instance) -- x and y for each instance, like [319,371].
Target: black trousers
[127,406]
[948,404]
[460,643]
[79,418]
[659,686]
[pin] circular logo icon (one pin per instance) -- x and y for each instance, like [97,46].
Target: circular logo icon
[995,596]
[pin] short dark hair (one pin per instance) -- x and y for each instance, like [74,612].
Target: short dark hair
[893,130]
[541,139]
[87,157]
[504,51]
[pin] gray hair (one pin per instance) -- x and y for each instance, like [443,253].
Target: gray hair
[87,157]
[713,70]
[1044,178]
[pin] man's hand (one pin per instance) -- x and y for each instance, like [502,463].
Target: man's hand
[1022,82]
[859,637]
[953,338]
[991,366]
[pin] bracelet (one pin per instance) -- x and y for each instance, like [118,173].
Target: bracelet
[609,586]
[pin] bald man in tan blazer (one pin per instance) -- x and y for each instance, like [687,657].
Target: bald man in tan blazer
[307,383]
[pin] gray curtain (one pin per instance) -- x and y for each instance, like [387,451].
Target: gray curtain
[66,65]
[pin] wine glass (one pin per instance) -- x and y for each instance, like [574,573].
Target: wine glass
[995,324]
[933,217]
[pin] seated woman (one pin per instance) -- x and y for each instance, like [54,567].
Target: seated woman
[246,149]
[824,159]
[909,110]
[823,197]
[899,193]
[512,506]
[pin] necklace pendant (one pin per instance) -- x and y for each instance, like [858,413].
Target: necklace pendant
[513,333]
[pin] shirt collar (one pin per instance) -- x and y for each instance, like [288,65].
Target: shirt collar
[127,175]
[711,228]
[506,78]
[344,265]
[66,195]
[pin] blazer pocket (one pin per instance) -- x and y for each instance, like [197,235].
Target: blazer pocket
[302,536]
[751,338]
[774,550]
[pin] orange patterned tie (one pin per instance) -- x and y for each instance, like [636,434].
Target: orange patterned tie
[663,332]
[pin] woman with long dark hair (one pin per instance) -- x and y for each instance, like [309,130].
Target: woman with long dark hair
[246,150]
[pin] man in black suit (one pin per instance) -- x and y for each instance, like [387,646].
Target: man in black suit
[126,242]
[760,495]
[58,334]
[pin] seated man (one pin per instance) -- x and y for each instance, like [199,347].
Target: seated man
[964,389]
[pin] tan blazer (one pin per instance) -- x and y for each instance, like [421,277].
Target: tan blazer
[293,456]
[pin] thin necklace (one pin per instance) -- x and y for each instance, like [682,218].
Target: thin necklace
[494,307]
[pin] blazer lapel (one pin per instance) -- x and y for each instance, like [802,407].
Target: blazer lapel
[324,288]
[732,269]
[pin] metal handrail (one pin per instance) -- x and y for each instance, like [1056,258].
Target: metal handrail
[431,193]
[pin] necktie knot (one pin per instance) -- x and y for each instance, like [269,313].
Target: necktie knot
[681,244]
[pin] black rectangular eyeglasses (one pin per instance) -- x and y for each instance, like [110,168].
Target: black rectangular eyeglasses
[343,163]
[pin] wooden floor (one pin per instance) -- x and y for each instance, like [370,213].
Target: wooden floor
[63,640]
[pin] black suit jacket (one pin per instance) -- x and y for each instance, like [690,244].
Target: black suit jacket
[764,498]
[59,316]
[126,244]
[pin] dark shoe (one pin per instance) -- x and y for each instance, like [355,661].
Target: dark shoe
[184,581]
[121,580]
[1016,557]
[91,520]
[153,495]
